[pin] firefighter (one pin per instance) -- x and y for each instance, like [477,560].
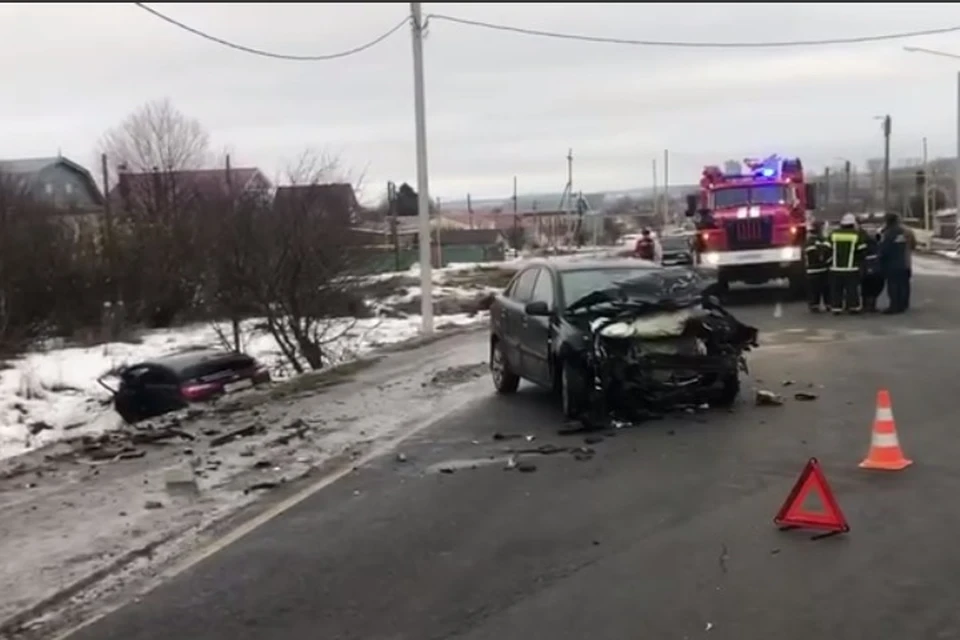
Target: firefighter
[646,248]
[848,244]
[818,253]
[895,262]
[871,280]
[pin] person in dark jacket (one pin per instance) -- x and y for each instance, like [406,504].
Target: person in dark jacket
[817,253]
[646,248]
[849,244]
[871,280]
[894,255]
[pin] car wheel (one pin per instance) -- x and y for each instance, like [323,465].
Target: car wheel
[504,380]
[572,391]
[729,390]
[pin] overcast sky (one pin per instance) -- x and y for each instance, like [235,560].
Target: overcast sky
[498,104]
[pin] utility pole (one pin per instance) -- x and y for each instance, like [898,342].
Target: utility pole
[570,223]
[394,223]
[656,196]
[846,186]
[423,183]
[887,128]
[666,188]
[469,211]
[515,241]
[924,190]
[956,179]
[826,189]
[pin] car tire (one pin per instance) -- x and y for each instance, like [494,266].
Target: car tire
[505,381]
[729,390]
[572,390]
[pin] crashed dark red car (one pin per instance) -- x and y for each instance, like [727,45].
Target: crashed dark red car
[172,382]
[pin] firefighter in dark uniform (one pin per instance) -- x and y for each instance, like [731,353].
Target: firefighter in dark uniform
[895,262]
[646,248]
[871,281]
[849,245]
[818,253]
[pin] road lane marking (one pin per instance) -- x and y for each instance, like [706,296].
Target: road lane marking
[778,310]
[276,510]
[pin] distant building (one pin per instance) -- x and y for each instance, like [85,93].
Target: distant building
[57,181]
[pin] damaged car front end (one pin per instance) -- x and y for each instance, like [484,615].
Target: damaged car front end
[658,342]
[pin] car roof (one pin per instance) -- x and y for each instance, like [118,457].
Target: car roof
[182,360]
[592,263]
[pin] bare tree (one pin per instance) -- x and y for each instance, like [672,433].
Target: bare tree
[157,137]
[297,262]
[157,151]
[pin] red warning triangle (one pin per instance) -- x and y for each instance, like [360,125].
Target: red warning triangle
[793,513]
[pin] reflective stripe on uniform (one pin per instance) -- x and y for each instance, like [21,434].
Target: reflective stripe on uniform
[824,270]
[850,238]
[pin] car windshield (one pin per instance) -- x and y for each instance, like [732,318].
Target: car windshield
[675,243]
[580,283]
[738,196]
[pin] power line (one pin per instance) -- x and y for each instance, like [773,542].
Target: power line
[270,54]
[688,44]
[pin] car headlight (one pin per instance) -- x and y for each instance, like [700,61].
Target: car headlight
[711,258]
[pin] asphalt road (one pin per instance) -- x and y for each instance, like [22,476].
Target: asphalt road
[665,533]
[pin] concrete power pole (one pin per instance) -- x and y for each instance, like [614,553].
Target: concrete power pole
[423,183]
[570,222]
[666,188]
[846,186]
[887,129]
[925,192]
[656,196]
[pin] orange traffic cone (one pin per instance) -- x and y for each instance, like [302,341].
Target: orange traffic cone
[885,452]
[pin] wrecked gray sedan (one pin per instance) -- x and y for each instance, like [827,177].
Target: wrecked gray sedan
[618,339]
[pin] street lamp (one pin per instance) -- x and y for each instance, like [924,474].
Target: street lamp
[956,228]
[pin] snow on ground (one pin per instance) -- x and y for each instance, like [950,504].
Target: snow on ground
[948,254]
[934,266]
[46,396]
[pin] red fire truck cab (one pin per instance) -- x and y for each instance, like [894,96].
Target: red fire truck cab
[751,225]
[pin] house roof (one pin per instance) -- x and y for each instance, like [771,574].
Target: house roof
[28,167]
[335,196]
[203,181]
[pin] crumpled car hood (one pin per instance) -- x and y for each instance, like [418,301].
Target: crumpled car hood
[666,289]
[665,324]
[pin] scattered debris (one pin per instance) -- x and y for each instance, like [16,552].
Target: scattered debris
[260,486]
[458,374]
[153,504]
[260,464]
[35,428]
[242,432]
[511,463]
[526,467]
[447,470]
[724,556]
[766,398]
[803,395]
[582,454]
[507,436]
[593,440]
[401,457]
[787,383]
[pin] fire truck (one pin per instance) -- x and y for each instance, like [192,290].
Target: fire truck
[751,225]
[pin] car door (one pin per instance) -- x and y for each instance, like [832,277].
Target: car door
[538,330]
[512,317]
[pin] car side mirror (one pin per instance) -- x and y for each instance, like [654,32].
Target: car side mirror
[538,308]
[693,203]
[810,191]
